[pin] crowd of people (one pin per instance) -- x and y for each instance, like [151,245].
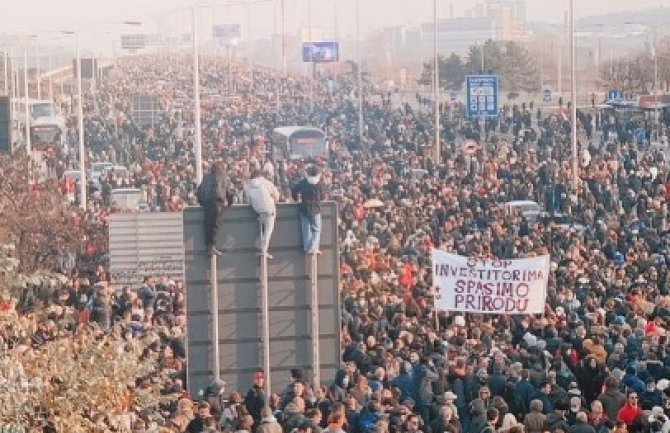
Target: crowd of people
[596,361]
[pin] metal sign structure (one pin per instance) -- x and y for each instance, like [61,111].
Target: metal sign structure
[290,295]
[133,41]
[546,94]
[320,52]
[482,95]
[614,95]
[227,31]
[145,245]
[146,110]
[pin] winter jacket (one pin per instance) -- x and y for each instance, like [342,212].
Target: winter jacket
[633,382]
[422,379]
[526,391]
[612,401]
[649,399]
[292,417]
[555,421]
[534,422]
[261,195]
[254,401]
[404,383]
[215,188]
[628,413]
[269,425]
[582,427]
[310,195]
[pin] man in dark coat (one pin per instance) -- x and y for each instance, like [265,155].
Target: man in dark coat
[255,398]
[581,424]
[310,192]
[214,194]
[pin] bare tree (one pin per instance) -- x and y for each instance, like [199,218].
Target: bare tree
[634,74]
[33,216]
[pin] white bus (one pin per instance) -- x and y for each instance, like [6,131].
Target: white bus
[38,108]
[48,134]
[299,142]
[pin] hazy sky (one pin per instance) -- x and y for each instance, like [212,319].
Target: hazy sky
[97,19]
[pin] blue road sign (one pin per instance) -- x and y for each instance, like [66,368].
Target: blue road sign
[482,94]
[614,95]
[546,95]
[452,96]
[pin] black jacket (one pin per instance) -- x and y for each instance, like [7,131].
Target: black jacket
[310,197]
[215,188]
[254,401]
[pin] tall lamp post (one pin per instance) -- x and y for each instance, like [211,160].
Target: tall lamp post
[573,98]
[359,74]
[436,86]
[80,125]
[5,64]
[26,96]
[196,100]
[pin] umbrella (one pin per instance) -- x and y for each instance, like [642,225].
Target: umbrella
[373,203]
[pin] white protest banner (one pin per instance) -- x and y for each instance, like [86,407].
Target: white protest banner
[490,286]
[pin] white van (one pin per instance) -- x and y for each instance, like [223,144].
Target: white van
[528,208]
[96,170]
[129,199]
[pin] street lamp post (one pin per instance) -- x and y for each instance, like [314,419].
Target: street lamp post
[653,47]
[436,86]
[80,117]
[196,102]
[573,98]
[80,125]
[4,70]
[283,39]
[359,74]
[37,71]
[25,99]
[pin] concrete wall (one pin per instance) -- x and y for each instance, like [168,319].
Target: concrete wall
[240,304]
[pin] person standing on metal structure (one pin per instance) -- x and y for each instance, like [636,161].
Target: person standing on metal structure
[262,195]
[214,194]
[310,192]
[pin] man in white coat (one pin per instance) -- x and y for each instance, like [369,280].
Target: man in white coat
[262,195]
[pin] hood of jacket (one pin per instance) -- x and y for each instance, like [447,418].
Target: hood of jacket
[292,409]
[255,182]
[268,419]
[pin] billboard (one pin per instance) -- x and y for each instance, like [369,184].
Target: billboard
[226,31]
[239,294]
[145,245]
[320,52]
[133,41]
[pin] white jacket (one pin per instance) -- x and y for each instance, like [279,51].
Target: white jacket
[261,195]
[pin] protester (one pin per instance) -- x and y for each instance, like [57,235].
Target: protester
[310,191]
[262,196]
[214,195]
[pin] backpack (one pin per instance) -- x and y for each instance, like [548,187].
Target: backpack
[206,192]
